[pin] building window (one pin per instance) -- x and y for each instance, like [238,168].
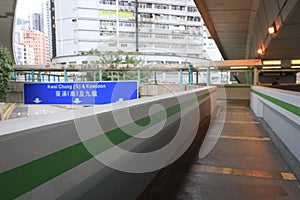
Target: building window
[112,44]
[165,36]
[192,9]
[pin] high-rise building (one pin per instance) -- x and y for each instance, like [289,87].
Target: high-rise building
[38,41]
[46,8]
[211,51]
[29,57]
[19,53]
[36,22]
[169,31]
[20,25]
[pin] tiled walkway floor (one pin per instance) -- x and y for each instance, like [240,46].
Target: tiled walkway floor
[244,164]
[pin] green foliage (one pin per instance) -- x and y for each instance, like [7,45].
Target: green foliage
[6,68]
[112,59]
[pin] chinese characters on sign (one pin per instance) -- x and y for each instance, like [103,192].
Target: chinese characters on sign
[79,93]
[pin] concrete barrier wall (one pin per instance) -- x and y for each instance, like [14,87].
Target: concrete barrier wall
[281,110]
[159,89]
[234,91]
[16,95]
[66,155]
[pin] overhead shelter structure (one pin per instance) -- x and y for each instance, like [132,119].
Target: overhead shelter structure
[7,15]
[240,28]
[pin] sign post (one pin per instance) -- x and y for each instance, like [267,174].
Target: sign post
[80,93]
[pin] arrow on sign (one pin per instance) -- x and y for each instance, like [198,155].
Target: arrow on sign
[37,101]
[77,101]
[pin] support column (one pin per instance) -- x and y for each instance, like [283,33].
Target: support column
[155,78]
[39,77]
[100,75]
[180,77]
[49,78]
[43,77]
[25,77]
[208,76]
[190,68]
[54,78]
[197,78]
[255,78]
[139,76]
[250,77]
[124,75]
[95,77]
[65,76]
[32,75]
[14,76]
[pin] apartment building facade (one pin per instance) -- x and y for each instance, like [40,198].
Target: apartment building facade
[168,31]
[39,42]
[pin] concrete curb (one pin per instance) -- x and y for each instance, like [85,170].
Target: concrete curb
[289,158]
[9,111]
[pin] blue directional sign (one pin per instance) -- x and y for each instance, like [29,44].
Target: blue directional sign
[80,93]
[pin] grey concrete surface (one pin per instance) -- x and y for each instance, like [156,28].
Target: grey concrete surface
[22,110]
[244,164]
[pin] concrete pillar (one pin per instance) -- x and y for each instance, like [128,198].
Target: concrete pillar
[43,77]
[14,76]
[197,78]
[25,77]
[49,78]
[54,78]
[139,76]
[100,75]
[94,76]
[124,75]
[190,68]
[155,78]
[32,75]
[180,76]
[208,76]
[39,77]
[255,78]
[250,77]
[65,76]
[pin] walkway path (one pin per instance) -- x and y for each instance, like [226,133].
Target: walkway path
[244,164]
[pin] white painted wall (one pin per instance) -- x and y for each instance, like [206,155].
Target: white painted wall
[284,123]
[40,136]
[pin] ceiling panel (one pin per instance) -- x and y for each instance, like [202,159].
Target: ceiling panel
[7,8]
[240,27]
[232,34]
[228,4]
[230,16]
[231,27]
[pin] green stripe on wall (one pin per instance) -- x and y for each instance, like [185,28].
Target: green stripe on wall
[287,106]
[234,86]
[24,178]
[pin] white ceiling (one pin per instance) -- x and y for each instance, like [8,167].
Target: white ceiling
[239,27]
[7,9]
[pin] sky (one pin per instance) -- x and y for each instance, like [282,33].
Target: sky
[25,7]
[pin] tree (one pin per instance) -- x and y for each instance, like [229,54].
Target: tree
[6,68]
[112,59]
